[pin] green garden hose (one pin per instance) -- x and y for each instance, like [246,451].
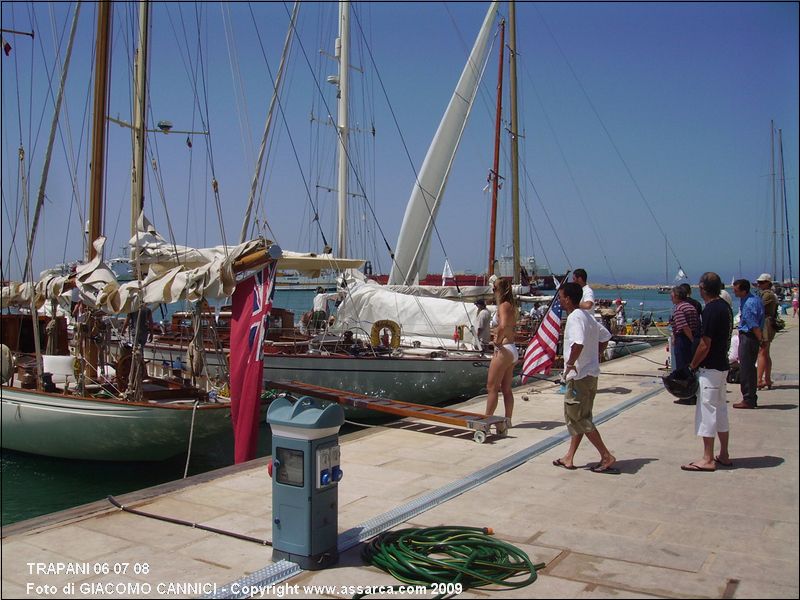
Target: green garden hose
[437,556]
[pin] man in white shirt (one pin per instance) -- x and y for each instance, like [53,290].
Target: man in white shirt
[584,340]
[579,276]
[484,324]
[319,315]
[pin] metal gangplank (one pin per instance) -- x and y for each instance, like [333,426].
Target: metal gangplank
[480,424]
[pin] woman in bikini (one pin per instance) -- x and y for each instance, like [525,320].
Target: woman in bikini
[501,368]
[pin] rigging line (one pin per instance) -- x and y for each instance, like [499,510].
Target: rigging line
[193,80]
[215,181]
[426,193]
[33,140]
[191,169]
[236,75]
[610,138]
[592,220]
[16,78]
[283,117]
[339,133]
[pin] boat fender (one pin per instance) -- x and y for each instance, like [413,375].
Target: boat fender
[6,364]
[379,326]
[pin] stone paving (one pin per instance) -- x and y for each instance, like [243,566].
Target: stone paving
[651,531]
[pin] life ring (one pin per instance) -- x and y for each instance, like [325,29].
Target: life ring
[6,364]
[378,326]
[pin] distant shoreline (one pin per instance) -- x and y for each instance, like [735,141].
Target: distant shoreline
[624,286]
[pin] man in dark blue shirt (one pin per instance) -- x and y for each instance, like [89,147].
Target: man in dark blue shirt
[711,363]
[751,323]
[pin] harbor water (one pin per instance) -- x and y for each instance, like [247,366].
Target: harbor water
[34,485]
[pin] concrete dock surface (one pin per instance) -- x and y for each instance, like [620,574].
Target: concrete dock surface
[651,531]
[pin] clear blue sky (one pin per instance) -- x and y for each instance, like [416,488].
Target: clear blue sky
[680,95]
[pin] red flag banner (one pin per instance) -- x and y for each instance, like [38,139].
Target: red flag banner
[252,302]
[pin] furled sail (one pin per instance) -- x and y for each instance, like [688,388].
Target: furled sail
[413,244]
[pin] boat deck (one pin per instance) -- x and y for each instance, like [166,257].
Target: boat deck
[651,531]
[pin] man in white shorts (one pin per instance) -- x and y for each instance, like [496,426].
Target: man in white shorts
[711,363]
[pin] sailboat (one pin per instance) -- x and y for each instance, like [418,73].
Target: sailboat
[63,406]
[433,356]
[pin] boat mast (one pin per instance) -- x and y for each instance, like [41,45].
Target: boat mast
[495,174]
[268,125]
[512,51]
[101,81]
[772,176]
[785,212]
[343,54]
[139,118]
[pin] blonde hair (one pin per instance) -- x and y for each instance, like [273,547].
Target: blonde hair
[503,293]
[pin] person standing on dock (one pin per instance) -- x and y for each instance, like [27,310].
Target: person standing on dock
[770,302]
[501,367]
[697,306]
[711,363]
[751,338]
[685,324]
[584,340]
[580,277]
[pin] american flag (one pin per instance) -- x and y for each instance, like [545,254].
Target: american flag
[541,352]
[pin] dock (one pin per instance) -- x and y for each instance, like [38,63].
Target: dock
[650,531]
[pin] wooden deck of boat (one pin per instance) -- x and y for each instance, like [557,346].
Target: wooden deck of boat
[652,531]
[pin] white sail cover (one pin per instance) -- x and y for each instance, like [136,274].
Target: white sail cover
[413,244]
[173,273]
[429,321]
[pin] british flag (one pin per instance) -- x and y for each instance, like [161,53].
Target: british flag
[252,302]
[263,289]
[541,352]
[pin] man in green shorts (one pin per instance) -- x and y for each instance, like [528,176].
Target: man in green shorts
[584,340]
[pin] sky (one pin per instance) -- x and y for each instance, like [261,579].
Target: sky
[644,142]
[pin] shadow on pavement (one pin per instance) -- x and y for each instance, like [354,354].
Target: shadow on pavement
[615,390]
[630,466]
[757,462]
[542,425]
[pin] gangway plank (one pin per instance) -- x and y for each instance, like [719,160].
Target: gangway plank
[480,424]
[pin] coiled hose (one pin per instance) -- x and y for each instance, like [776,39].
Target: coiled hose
[459,555]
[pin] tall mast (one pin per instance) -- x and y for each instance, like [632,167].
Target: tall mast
[772,176]
[512,49]
[785,212]
[343,54]
[139,117]
[495,175]
[99,123]
[101,81]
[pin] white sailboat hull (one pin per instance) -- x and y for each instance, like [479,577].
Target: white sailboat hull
[97,429]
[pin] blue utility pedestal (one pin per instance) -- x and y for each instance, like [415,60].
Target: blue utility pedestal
[306,471]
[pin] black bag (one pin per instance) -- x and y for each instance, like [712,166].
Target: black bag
[733,375]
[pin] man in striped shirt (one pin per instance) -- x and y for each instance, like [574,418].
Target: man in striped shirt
[685,322]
